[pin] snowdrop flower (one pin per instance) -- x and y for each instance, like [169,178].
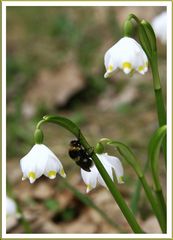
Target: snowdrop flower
[40,161]
[159,25]
[111,164]
[11,208]
[127,55]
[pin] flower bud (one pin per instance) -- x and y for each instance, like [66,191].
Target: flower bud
[99,149]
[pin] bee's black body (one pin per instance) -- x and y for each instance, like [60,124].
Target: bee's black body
[79,155]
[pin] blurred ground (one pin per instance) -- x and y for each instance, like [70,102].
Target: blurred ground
[55,66]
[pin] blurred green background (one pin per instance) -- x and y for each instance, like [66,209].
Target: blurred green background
[55,66]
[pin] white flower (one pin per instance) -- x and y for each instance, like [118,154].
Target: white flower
[159,25]
[111,164]
[40,161]
[11,208]
[127,55]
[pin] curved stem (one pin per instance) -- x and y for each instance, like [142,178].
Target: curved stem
[133,16]
[69,125]
[155,204]
[161,112]
[127,154]
[153,157]
[136,194]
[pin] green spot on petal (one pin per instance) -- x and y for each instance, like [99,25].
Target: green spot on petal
[51,174]
[127,65]
[32,175]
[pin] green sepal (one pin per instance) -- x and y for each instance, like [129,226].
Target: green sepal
[128,28]
[38,136]
[153,154]
[99,149]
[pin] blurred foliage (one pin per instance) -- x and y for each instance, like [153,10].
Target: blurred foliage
[51,204]
[37,38]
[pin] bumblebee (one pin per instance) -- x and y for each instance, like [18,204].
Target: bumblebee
[80,156]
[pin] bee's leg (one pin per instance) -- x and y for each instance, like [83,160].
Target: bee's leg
[90,151]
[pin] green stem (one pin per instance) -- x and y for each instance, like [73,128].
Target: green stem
[136,195]
[117,196]
[161,201]
[153,157]
[128,155]
[155,205]
[88,202]
[161,113]
[69,125]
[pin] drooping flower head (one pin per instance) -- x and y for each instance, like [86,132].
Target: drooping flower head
[159,25]
[111,164]
[40,161]
[126,54]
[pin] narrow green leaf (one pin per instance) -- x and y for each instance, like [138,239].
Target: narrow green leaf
[144,40]
[153,154]
[128,155]
[150,34]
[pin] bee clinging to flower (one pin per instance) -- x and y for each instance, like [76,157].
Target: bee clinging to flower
[80,156]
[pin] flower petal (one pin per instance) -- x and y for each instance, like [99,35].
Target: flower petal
[117,167]
[11,208]
[109,171]
[90,178]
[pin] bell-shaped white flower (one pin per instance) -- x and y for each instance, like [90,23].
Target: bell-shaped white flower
[127,55]
[11,207]
[40,161]
[159,25]
[111,164]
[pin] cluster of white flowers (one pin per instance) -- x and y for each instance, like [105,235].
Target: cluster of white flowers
[42,161]
[127,55]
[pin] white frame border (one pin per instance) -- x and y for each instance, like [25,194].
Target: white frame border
[168,5]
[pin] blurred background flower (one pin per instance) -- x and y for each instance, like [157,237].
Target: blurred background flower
[159,25]
[55,65]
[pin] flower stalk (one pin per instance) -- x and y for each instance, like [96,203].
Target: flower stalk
[148,41]
[70,126]
[131,159]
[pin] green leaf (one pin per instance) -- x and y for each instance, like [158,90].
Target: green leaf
[153,154]
[150,34]
[128,155]
[144,40]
